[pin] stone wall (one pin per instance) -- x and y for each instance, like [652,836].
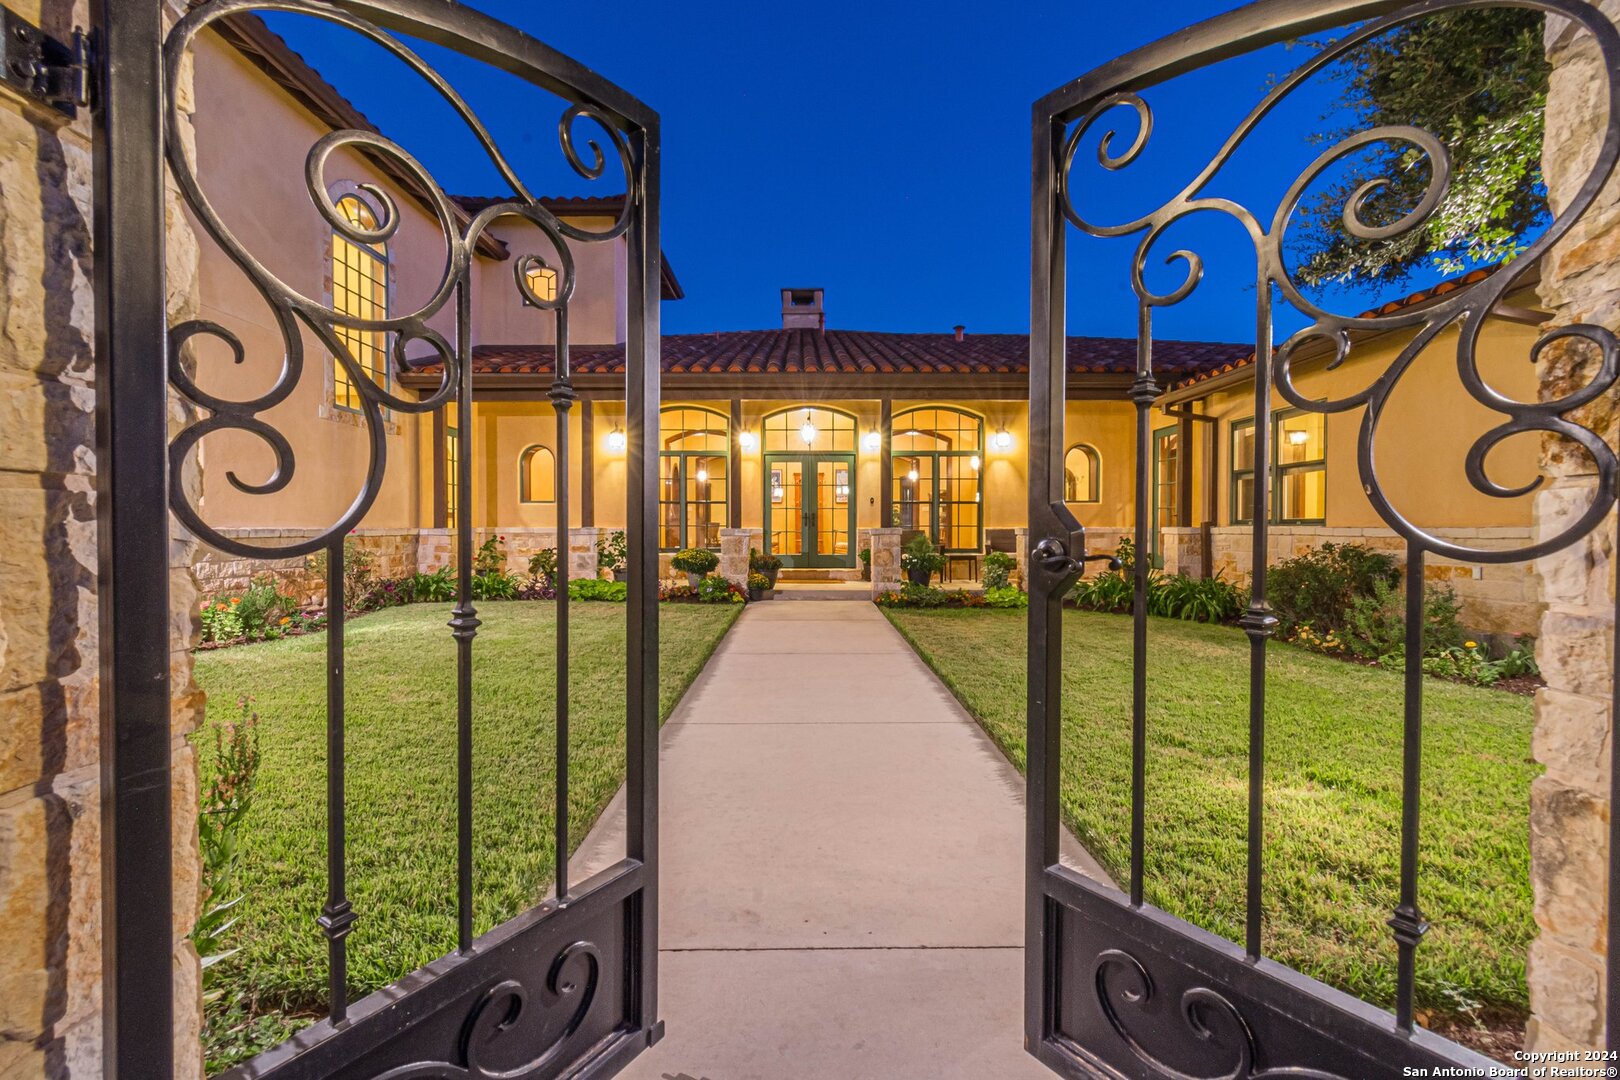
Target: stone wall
[1500,599]
[1569,803]
[50,855]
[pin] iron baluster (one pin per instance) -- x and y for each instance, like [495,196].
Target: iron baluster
[1144,391]
[562,396]
[1407,921]
[1258,621]
[641,397]
[337,916]
[1611,1004]
[464,623]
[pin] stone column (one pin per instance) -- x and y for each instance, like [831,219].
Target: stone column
[1021,554]
[734,545]
[582,553]
[885,560]
[1569,804]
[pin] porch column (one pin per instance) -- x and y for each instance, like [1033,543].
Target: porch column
[885,470]
[441,516]
[1184,482]
[885,560]
[587,464]
[734,480]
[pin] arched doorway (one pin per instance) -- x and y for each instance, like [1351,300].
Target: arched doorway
[810,486]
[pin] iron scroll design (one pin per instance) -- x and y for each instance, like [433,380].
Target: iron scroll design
[294,311]
[498,1011]
[1467,307]
[1198,1005]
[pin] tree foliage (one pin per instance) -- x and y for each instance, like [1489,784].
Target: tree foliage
[1477,81]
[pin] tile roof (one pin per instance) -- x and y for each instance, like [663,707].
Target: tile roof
[859,352]
[1422,296]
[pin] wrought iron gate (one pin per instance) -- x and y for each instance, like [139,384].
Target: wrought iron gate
[569,986]
[1114,986]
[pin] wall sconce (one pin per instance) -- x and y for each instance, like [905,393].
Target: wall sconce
[807,430]
[616,441]
[1299,437]
[1003,439]
[746,440]
[873,441]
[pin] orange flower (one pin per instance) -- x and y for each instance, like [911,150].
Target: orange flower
[235,600]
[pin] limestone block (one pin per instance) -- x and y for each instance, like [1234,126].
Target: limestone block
[1574,652]
[1576,749]
[734,545]
[885,560]
[1566,991]
[1568,845]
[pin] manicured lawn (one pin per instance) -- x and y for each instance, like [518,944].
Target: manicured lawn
[401,769]
[1333,742]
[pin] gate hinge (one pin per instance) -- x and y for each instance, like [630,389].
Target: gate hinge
[54,72]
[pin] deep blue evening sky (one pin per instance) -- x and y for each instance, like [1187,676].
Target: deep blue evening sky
[879,150]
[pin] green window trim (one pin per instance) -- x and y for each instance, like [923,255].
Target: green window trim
[678,514]
[945,474]
[1240,508]
[1160,437]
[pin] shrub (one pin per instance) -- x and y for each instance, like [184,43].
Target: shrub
[264,610]
[358,568]
[998,569]
[1319,586]
[1465,664]
[865,555]
[928,596]
[761,563]
[921,555]
[543,566]
[1521,659]
[1375,625]
[1195,599]
[225,801]
[613,552]
[386,593]
[1006,598]
[592,589]
[695,561]
[717,590]
[436,587]
[495,585]
[491,556]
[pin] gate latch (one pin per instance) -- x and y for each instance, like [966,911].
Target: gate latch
[1062,561]
[39,66]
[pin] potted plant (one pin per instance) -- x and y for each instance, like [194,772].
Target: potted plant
[613,554]
[769,565]
[866,563]
[758,586]
[696,563]
[920,561]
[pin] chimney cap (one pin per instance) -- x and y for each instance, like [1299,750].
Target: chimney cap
[960,329]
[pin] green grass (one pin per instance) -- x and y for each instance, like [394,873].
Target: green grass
[1332,796]
[401,788]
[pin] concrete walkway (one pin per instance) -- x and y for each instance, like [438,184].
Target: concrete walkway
[842,865]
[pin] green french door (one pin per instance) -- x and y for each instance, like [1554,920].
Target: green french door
[810,509]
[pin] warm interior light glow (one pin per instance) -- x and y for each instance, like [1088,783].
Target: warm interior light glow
[542,281]
[975,462]
[1299,438]
[703,476]
[874,440]
[616,440]
[1003,439]
[912,475]
[745,439]
[807,430]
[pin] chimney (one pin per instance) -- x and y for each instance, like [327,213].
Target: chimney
[802,310]
[960,330]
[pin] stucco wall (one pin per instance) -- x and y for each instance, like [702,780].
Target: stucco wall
[50,871]
[1569,804]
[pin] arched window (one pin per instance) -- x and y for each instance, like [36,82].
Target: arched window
[1082,475]
[693,493]
[938,465]
[359,290]
[829,431]
[537,475]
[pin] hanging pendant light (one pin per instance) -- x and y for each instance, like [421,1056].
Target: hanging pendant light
[702,475]
[807,430]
